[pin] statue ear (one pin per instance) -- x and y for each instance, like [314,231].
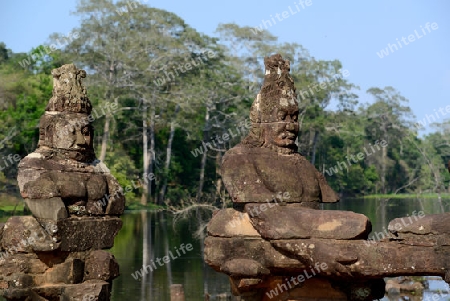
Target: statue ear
[82,73]
[287,66]
[56,73]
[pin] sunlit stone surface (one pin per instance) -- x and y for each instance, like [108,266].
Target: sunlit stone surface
[275,245]
[56,254]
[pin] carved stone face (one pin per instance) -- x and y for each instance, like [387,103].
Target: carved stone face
[287,130]
[70,134]
[283,130]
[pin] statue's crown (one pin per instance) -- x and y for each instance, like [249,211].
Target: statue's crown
[277,91]
[69,93]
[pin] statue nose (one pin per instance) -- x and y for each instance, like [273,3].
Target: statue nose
[80,139]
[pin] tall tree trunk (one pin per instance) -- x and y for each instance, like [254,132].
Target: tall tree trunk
[152,150]
[314,147]
[145,192]
[204,157]
[383,169]
[219,176]
[105,138]
[202,175]
[162,192]
[148,153]
[109,96]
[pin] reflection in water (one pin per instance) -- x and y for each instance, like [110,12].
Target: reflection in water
[381,212]
[147,236]
[147,253]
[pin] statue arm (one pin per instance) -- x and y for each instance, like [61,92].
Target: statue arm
[242,180]
[116,203]
[327,193]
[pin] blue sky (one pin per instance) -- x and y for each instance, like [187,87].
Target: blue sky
[351,31]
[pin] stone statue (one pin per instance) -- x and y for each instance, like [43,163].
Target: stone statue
[62,175]
[75,202]
[273,243]
[266,162]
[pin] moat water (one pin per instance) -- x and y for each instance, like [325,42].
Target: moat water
[176,253]
[154,234]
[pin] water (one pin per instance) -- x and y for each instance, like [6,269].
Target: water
[147,236]
[189,270]
[382,212]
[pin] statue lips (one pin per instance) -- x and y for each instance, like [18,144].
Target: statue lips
[288,137]
[291,136]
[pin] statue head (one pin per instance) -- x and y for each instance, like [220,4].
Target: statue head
[274,113]
[65,128]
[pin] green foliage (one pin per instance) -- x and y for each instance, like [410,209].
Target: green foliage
[133,59]
[24,99]
[123,168]
[4,53]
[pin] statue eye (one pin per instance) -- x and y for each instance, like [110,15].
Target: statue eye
[295,117]
[85,131]
[281,115]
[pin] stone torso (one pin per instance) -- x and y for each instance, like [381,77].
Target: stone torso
[253,174]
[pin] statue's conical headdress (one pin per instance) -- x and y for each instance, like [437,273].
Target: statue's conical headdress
[277,91]
[69,93]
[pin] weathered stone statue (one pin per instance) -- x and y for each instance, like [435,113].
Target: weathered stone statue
[266,162]
[275,245]
[56,254]
[62,175]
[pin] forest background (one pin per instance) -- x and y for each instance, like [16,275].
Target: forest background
[182,99]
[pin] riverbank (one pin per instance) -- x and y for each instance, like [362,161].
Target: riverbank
[13,205]
[407,196]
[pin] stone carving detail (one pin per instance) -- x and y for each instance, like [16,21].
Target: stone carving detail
[274,240]
[75,202]
[266,161]
[63,172]
[69,94]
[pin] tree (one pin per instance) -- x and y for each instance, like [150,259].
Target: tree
[320,83]
[390,120]
[4,53]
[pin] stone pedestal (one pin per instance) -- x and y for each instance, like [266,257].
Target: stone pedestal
[299,260]
[57,254]
[275,245]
